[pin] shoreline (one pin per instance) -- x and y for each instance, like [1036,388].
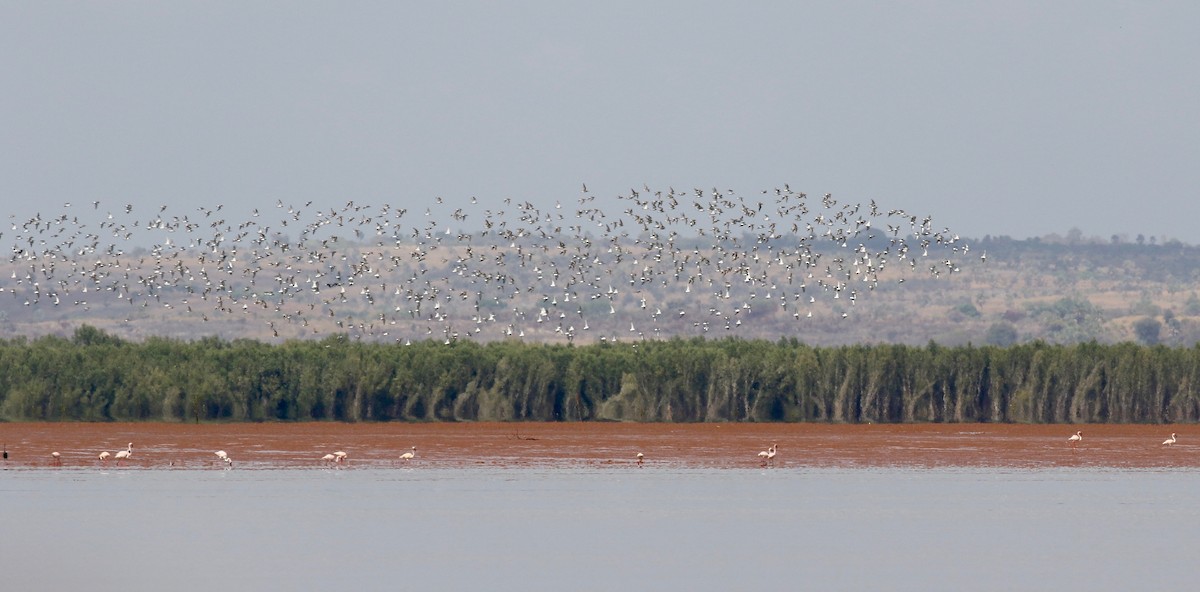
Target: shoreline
[550,444]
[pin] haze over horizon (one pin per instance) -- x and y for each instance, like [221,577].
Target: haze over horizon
[1017,119]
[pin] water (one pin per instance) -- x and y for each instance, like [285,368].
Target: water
[529,529]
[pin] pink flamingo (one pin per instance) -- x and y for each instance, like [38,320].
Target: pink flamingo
[124,454]
[768,455]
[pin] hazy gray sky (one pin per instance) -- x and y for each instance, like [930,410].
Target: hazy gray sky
[1017,118]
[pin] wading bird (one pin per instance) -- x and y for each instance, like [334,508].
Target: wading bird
[767,455]
[1169,441]
[56,459]
[411,454]
[124,454]
[103,457]
[640,459]
[1073,440]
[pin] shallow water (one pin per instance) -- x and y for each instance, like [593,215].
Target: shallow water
[599,528]
[582,444]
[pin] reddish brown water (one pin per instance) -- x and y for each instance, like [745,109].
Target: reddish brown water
[278,445]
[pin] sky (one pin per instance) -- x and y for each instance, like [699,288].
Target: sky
[996,118]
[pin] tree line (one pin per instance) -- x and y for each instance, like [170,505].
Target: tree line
[95,376]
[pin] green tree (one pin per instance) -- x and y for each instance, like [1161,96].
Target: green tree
[1001,333]
[1147,330]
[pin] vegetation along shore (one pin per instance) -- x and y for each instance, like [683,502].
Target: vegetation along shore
[94,376]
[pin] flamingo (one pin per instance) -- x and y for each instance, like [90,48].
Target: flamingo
[56,459]
[329,458]
[411,454]
[124,454]
[1169,441]
[771,454]
[640,458]
[103,456]
[228,462]
[1073,440]
[221,454]
[767,455]
[339,456]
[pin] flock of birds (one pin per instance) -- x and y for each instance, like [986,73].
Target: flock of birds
[333,459]
[1077,437]
[337,459]
[662,263]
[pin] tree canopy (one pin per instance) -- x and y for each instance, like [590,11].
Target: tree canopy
[97,377]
